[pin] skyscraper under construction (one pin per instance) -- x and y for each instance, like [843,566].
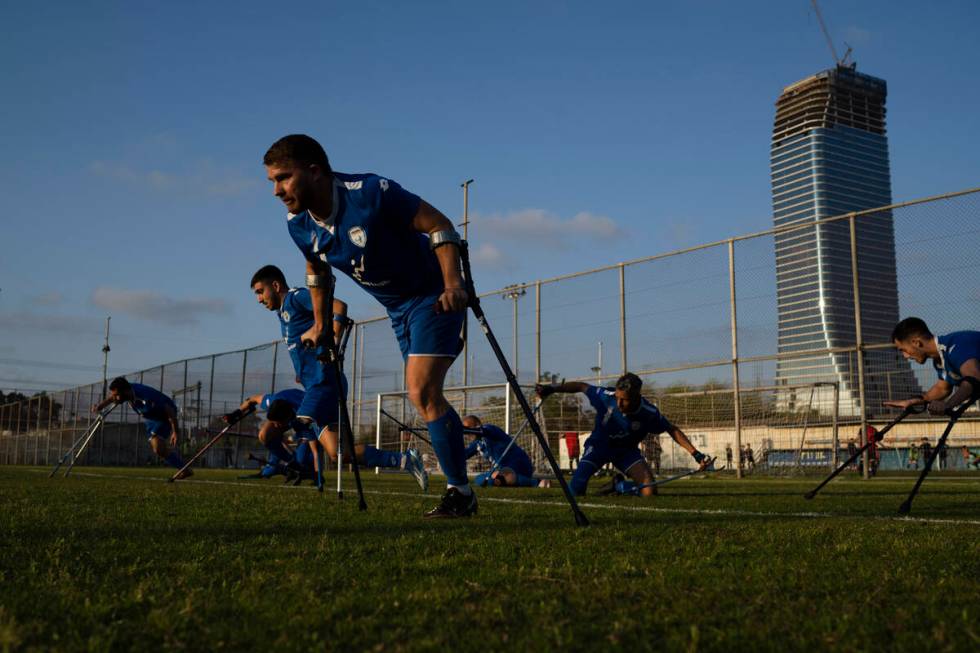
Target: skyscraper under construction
[830,157]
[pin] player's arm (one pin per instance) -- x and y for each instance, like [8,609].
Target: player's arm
[98,408]
[339,319]
[684,442]
[174,425]
[545,390]
[938,391]
[472,449]
[968,388]
[246,405]
[430,221]
[319,279]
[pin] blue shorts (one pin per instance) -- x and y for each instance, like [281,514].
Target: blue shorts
[423,332]
[520,466]
[321,404]
[598,452]
[157,429]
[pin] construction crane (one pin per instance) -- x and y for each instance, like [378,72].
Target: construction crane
[841,62]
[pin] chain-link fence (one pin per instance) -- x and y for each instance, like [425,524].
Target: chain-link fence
[771,349]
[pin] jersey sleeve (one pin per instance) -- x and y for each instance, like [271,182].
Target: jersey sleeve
[303,300]
[265,403]
[660,424]
[472,449]
[398,206]
[594,394]
[300,236]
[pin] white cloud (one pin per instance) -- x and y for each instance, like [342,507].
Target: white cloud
[549,230]
[489,255]
[150,305]
[52,298]
[204,179]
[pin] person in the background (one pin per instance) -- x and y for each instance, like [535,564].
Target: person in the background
[513,466]
[159,414]
[571,443]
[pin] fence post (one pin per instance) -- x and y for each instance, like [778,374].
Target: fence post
[377,431]
[360,385]
[537,331]
[859,343]
[352,387]
[622,318]
[836,438]
[736,386]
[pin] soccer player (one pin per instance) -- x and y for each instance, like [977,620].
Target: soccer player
[319,404]
[405,254]
[514,466]
[955,357]
[623,418]
[159,414]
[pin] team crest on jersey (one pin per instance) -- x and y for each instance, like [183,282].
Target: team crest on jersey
[635,426]
[357,236]
[383,183]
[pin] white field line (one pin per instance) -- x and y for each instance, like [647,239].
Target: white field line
[590,506]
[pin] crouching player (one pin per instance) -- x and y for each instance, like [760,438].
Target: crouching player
[623,419]
[280,409]
[320,403]
[513,467]
[159,414]
[955,357]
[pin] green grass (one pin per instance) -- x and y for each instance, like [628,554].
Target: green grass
[120,560]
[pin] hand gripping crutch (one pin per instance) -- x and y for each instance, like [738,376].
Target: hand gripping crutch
[474,304]
[910,410]
[82,441]
[332,355]
[213,441]
[953,416]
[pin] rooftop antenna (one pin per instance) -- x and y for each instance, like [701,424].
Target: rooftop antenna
[841,62]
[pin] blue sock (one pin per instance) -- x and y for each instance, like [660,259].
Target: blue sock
[526,481]
[304,457]
[447,440]
[174,459]
[277,448]
[374,457]
[626,487]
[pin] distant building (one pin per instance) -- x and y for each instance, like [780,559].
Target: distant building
[829,157]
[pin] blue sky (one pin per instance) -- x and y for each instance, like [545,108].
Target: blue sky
[133,133]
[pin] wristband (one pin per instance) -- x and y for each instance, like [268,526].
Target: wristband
[698,456]
[337,317]
[318,280]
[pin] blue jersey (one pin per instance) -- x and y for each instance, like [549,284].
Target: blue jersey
[618,428]
[295,318]
[150,403]
[491,445]
[955,349]
[292,396]
[369,237]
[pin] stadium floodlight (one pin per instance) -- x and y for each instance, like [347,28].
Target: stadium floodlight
[878,437]
[474,303]
[953,417]
[82,441]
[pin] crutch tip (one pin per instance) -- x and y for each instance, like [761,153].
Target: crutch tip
[905,508]
[362,506]
[581,519]
[809,495]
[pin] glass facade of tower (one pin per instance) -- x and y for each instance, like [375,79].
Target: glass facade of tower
[830,157]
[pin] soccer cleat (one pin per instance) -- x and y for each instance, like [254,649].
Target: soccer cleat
[454,504]
[414,466]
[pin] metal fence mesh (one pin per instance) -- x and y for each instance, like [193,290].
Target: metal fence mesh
[716,330]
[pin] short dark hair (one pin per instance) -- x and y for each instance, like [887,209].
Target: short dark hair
[281,410]
[268,273]
[910,327]
[630,383]
[297,148]
[120,384]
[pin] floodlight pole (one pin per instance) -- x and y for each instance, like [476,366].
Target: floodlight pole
[105,359]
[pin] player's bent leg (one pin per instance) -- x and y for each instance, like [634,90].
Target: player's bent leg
[579,482]
[642,478]
[271,437]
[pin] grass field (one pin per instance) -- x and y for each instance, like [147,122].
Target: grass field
[116,559]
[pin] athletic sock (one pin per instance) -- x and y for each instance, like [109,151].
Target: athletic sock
[465,490]
[526,481]
[447,440]
[174,459]
[374,457]
[626,487]
[277,448]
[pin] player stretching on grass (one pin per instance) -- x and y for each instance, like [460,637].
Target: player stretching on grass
[405,254]
[955,357]
[623,418]
[159,414]
[513,466]
[319,404]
